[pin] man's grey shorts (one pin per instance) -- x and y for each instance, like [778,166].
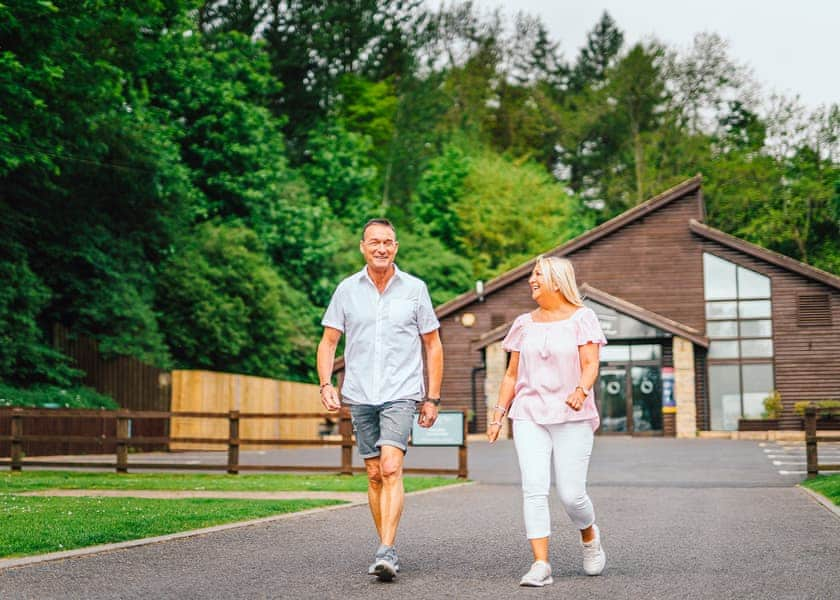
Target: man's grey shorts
[387,424]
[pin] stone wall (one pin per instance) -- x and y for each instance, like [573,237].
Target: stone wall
[684,388]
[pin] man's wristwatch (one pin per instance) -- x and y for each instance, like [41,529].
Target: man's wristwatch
[435,401]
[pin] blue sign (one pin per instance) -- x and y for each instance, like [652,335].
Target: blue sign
[448,430]
[668,400]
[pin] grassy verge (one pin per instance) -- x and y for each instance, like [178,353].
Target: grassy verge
[827,485]
[27,481]
[36,525]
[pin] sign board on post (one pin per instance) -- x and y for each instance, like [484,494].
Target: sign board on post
[448,430]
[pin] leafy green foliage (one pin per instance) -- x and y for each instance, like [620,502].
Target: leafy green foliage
[509,213]
[225,308]
[340,171]
[440,187]
[50,396]
[446,272]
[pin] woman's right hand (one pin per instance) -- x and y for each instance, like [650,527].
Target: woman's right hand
[493,432]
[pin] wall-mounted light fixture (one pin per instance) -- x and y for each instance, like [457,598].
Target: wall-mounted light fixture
[468,319]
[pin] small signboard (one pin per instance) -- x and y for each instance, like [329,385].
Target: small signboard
[669,404]
[448,430]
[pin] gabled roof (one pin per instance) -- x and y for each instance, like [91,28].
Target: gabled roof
[604,229]
[780,260]
[645,315]
[623,306]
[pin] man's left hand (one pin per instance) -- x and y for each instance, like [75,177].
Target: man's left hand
[428,415]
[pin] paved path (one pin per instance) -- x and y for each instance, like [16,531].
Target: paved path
[680,518]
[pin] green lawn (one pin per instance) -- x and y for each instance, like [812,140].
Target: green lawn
[35,525]
[827,485]
[26,481]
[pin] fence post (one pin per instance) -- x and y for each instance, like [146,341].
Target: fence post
[462,452]
[345,428]
[122,443]
[233,443]
[17,443]
[811,440]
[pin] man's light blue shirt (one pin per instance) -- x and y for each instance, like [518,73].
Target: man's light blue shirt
[383,359]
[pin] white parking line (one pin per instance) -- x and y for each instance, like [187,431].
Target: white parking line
[792,472]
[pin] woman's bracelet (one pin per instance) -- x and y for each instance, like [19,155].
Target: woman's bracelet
[323,385]
[501,408]
[499,423]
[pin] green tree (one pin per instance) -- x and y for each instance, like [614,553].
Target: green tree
[339,169]
[313,44]
[440,188]
[88,172]
[603,44]
[447,273]
[511,212]
[225,308]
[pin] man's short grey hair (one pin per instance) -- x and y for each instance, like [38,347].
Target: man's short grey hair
[384,222]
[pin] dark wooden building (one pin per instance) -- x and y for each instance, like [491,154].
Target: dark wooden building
[702,326]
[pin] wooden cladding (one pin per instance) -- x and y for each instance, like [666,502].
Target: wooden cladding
[813,310]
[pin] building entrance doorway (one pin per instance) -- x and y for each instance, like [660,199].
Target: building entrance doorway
[629,396]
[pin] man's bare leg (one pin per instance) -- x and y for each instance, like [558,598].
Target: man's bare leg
[374,475]
[392,495]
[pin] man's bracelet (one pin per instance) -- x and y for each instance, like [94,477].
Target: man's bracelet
[323,385]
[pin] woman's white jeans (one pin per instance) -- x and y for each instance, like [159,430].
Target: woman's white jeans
[571,444]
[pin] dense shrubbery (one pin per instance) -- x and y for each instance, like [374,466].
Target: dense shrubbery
[51,396]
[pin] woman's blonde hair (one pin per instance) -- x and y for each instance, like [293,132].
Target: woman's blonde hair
[560,273]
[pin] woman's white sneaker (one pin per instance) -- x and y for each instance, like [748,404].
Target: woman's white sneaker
[594,557]
[538,576]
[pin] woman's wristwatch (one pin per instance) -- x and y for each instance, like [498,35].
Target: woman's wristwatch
[583,389]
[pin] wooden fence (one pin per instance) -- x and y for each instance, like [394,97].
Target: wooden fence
[123,438]
[207,391]
[132,383]
[811,440]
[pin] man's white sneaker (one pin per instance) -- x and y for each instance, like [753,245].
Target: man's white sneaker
[594,557]
[538,576]
[380,553]
[387,566]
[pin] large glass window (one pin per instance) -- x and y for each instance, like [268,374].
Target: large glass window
[724,396]
[719,277]
[756,380]
[740,328]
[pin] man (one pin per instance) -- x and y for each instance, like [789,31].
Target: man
[385,314]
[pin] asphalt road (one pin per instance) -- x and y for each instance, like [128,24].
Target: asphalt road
[679,518]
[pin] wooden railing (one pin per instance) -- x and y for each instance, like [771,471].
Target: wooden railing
[123,440]
[811,440]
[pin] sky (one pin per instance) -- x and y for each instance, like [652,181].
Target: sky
[792,47]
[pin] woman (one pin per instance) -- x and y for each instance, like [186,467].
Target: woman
[553,366]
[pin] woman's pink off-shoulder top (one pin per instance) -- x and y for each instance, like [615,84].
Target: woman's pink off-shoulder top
[549,367]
